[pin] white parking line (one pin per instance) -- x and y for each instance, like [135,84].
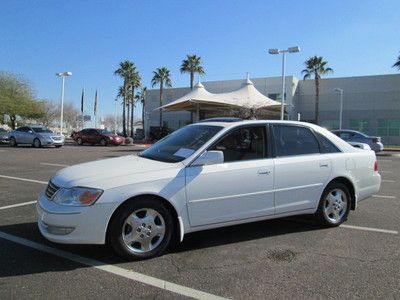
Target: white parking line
[349,226]
[54,165]
[16,205]
[388,180]
[23,179]
[383,196]
[369,229]
[142,278]
[388,172]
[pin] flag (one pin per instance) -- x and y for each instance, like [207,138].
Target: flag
[83,92]
[95,103]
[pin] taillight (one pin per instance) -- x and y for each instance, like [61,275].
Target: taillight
[376,166]
[376,140]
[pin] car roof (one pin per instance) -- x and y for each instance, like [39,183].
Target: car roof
[237,122]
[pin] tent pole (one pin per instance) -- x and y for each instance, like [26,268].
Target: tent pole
[197,112]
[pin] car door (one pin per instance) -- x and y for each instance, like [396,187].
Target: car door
[24,135]
[239,188]
[300,170]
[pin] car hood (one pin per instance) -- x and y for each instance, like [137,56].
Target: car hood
[112,172]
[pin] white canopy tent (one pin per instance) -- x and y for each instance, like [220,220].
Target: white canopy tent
[246,97]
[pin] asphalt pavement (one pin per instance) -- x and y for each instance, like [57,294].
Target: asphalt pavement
[285,259]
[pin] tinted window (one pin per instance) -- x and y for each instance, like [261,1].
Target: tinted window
[326,145]
[105,131]
[294,140]
[41,129]
[243,144]
[23,129]
[346,135]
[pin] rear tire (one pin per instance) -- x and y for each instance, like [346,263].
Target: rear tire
[13,142]
[141,229]
[334,205]
[37,143]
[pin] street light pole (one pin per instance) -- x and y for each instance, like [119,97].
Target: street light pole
[340,91]
[115,116]
[62,75]
[283,52]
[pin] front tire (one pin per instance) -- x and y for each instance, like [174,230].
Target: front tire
[141,229]
[334,206]
[103,142]
[79,141]
[37,143]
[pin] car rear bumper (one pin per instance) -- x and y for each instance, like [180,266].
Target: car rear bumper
[373,187]
[73,225]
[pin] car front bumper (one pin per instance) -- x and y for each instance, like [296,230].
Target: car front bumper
[73,225]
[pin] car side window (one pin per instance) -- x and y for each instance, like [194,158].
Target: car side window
[243,144]
[294,140]
[346,135]
[326,145]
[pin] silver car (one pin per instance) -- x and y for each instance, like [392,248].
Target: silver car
[358,137]
[37,136]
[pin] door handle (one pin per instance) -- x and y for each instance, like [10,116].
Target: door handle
[323,165]
[261,172]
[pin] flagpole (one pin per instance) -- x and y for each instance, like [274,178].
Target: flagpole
[82,109]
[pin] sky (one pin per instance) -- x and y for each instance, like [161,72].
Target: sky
[90,38]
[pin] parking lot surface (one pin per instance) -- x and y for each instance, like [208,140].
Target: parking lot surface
[287,258]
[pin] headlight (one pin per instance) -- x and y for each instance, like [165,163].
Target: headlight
[77,196]
[111,138]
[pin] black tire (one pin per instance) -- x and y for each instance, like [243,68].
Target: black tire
[58,146]
[37,143]
[103,142]
[79,141]
[331,212]
[118,229]
[13,142]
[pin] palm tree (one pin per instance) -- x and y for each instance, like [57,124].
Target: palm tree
[316,66]
[125,70]
[192,65]
[141,97]
[162,77]
[397,63]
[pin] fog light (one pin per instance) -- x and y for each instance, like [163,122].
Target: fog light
[58,230]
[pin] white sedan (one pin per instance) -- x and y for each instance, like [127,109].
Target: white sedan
[211,174]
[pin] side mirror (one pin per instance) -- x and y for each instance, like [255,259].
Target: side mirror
[209,158]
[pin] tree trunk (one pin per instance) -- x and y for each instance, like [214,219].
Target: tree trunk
[123,114]
[132,111]
[128,119]
[316,98]
[12,119]
[161,92]
[143,117]
[191,88]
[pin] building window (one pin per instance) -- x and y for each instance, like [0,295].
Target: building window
[276,96]
[389,127]
[360,125]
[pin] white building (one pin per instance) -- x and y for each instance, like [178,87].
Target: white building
[371,104]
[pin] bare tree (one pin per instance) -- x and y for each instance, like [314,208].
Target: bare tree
[51,112]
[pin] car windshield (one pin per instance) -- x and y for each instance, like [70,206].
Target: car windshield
[41,130]
[181,144]
[105,131]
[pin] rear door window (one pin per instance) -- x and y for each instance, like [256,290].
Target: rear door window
[294,140]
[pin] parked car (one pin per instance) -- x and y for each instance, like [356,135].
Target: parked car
[4,136]
[35,135]
[360,145]
[94,136]
[355,136]
[203,176]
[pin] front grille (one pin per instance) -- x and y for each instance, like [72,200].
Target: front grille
[51,190]
[56,138]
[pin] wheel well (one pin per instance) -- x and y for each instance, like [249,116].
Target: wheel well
[350,186]
[149,196]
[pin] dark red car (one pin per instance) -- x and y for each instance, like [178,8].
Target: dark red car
[94,136]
